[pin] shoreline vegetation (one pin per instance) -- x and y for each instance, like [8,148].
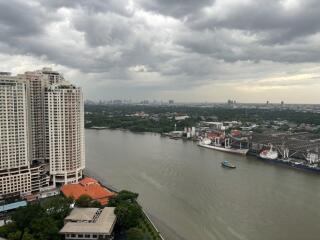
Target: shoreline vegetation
[163,119]
[137,124]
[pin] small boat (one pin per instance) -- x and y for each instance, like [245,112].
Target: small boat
[227,164]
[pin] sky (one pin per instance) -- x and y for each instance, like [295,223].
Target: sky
[186,50]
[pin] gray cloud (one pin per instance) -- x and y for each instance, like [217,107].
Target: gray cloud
[20,19]
[93,6]
[175,8]
[274,21]
[168,44]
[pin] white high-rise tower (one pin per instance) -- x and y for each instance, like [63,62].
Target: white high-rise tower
[65,132]
[15,175]
[41,132]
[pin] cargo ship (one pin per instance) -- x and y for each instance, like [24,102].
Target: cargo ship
[272,155]
[269,154]
[207,143]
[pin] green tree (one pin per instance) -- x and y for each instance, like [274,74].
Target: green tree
[8,228]
[128,214]
[27,236]
[83,201]
[15,235]
[95,204]
[37,221]
[24,216]
[123,196]
[45,228]
[135,234]
[58,208]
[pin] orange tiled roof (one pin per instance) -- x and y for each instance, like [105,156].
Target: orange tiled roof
[87,181]
[90,187]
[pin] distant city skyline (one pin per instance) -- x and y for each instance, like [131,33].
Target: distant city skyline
[198,51]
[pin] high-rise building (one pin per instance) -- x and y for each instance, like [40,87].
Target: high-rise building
[65,132]
[42,132]
[36,106]
[38,82]
[15,177]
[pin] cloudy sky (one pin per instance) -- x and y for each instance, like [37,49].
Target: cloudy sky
[187,50]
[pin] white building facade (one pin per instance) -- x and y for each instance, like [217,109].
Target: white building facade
[65,132]
[15,177]
[41,132]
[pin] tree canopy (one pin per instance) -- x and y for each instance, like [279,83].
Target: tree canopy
[135,234]
[38,221]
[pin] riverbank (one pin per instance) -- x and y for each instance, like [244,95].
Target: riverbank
[146,224]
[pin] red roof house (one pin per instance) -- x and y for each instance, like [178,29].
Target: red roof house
[87,186]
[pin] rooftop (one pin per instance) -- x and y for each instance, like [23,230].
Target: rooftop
[90,187]
[11,206]
[98,221]
[82,214]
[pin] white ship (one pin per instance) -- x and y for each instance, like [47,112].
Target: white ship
[269,154]
[206,143]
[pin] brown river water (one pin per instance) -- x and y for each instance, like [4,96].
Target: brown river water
[189,195]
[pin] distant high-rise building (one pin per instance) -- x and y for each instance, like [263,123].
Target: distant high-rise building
[117,101]
[171,101]
[231,102]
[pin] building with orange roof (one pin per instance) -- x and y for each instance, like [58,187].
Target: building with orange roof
[88,186]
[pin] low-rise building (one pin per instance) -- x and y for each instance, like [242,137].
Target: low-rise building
[89,223]
[88,186]
[181,117]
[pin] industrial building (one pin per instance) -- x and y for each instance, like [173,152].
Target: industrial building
[301,145]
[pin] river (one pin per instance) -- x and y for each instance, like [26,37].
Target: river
[190,196]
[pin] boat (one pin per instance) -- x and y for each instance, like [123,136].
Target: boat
[175,137]
[227,164]
[269,154]
[206,143]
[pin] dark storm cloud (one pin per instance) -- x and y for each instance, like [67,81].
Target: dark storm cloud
[175,8]
[273,20]
[92,5]
[188,42]
[19,19]
[100,30]
[231,46]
